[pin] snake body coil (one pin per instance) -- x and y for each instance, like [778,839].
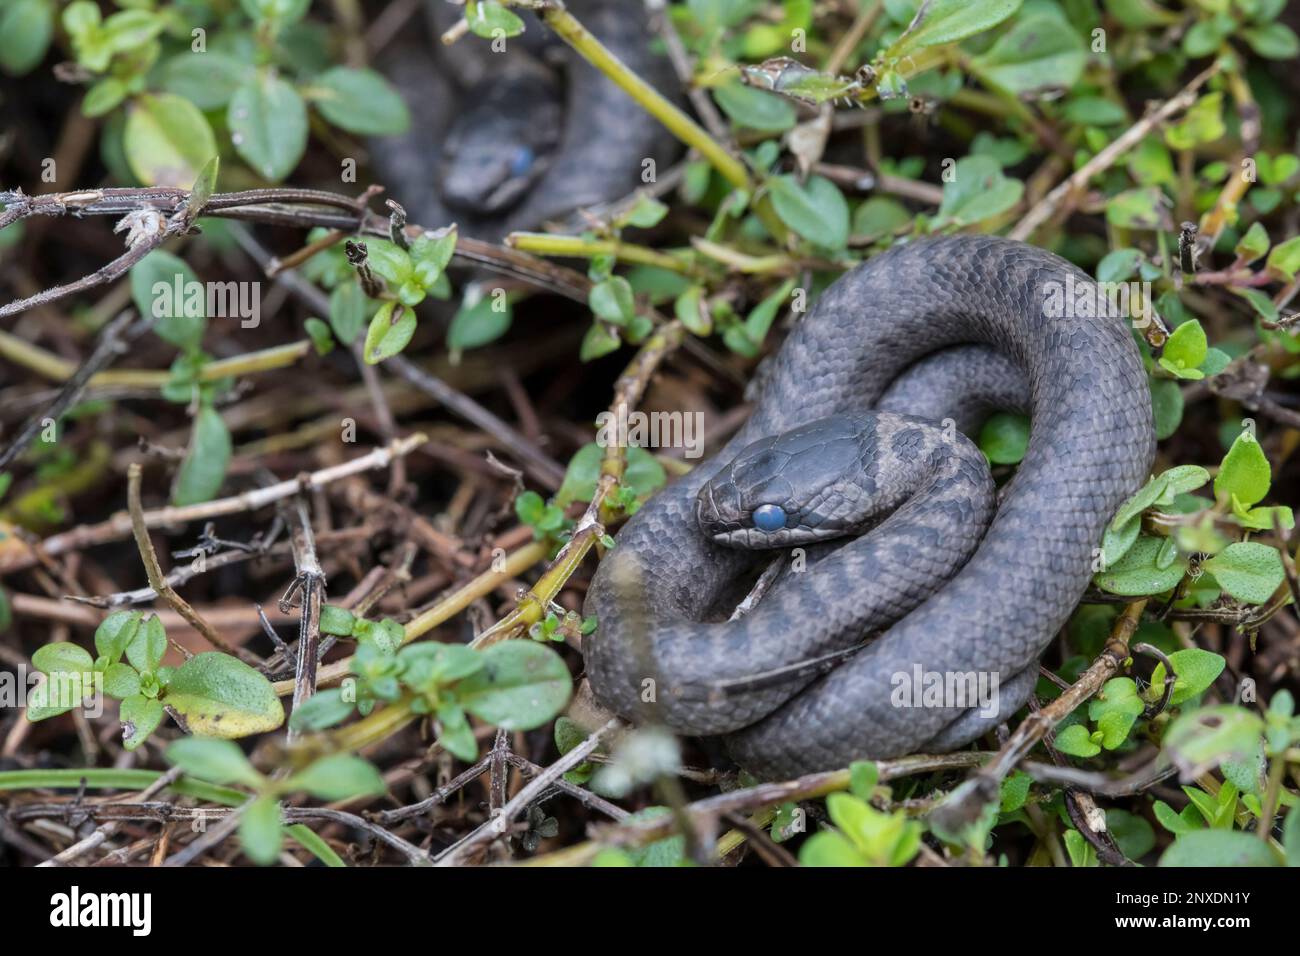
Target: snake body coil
[944,328]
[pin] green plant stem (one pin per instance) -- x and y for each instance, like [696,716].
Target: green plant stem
[96,778]
[57,369]
[375,726]
[1272,796]
[546,244]
[532,607]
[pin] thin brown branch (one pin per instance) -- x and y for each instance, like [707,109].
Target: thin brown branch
[158,581]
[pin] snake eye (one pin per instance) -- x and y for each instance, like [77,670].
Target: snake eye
[769,517]
[521,162]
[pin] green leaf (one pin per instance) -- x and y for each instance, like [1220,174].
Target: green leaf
[1140,572]
[208,80]
[1166,406]
[830,848]
[1202,739]
[1291,837]
[1119,265]
[321,336]
[161,287]
[148,645]
[457,736]
[62,658]
[167,140]
[977,191]
[1115,543]
[946,21]
[612,300]
[1076,741]
[1038,51]
[1260,301]
[268,125]
[1205,36]
[755,109]
[879,216]
[260,831]
[1115,710]
[1203,123]
[26,27]
[347,311]
[1248,570]
[1196,670]
[121,681]
[1187,345]
[1218,848]
[647,213]
[360,101]
[1284,260]
[322,709]
[1014,791]
[644,474]
[1178,824]
[815,210]
[1004,438]
[390,331]
[339,776]
[140,717]
[689,307]
[206,460]
[522,685]
[216,761]
[431,664]
[1273,41]
[491,20]
[1081,852]
[479,321]
[275,13]
[1244,473]
[337,620]
[760,319]
[1253,244]
[104,96]
[1142,208]
[389,261]
[598,341]
[310,841]
[1133,834]
[115,633]
[221,696]
[863,777]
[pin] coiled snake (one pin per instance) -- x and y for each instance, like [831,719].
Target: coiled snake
[938,329]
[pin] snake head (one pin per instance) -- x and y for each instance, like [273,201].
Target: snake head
[806,485]
[497,149]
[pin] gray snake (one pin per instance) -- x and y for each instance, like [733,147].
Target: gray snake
[889,508]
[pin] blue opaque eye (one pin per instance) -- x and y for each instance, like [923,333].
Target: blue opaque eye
[522,161]
[769,517]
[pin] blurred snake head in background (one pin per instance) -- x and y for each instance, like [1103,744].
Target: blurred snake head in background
[498,147]
[806,485]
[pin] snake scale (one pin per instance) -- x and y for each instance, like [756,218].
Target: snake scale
[847,455]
